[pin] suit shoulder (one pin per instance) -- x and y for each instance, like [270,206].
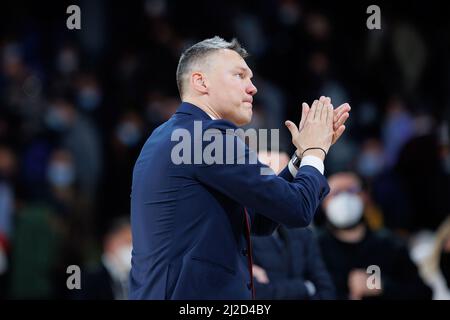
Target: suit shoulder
[222,125]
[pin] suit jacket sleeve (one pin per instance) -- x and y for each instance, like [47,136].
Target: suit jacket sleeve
[261,225]
[290,203]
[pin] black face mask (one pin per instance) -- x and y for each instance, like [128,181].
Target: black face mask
[444,265]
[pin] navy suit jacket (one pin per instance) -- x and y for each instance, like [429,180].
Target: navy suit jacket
[188,220]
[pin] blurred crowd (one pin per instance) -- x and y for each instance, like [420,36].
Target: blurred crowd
[76,106]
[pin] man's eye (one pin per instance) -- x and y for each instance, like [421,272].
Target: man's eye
[240,75]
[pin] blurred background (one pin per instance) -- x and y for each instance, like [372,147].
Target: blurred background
[76,106]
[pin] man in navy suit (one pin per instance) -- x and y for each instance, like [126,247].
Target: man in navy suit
[193,206]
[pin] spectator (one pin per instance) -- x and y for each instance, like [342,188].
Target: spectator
[349,248]
[109,280]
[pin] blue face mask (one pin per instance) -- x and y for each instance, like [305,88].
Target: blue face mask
[61,174]
[128,133]
[89,99]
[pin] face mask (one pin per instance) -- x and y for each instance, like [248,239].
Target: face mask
[123,255]
[89,99]
[444,265]
[128,134]
[61,174]
[344,210]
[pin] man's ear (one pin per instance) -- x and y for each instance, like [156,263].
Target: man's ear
[198,82]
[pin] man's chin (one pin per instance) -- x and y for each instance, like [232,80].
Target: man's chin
[245,120]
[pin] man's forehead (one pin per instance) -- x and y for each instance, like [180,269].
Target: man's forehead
[231,58]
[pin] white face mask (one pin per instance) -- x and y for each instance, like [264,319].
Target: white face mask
[344,210]
[123,255]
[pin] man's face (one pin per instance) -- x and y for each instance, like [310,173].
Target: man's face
[230,88]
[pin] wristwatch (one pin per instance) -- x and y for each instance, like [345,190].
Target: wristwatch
[295,159]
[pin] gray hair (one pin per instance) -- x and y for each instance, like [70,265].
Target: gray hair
[199,51]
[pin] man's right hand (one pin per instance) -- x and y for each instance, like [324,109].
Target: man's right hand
[317,131]
[340,114]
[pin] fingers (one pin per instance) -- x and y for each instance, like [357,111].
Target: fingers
[330,112]
[318,111]
[339,111]
[292,128]
[323,111]
[323,108]
[312,112]
[341,121]
[326,109]
[305,110]
[338,133]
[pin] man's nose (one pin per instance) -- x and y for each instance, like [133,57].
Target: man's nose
[251,89]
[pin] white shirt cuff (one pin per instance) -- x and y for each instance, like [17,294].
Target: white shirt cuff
[307,161]
[314,161]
